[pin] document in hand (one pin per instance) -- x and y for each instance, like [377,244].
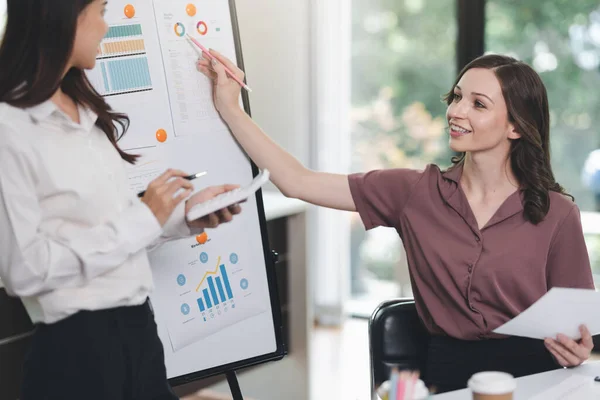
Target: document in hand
[561,310]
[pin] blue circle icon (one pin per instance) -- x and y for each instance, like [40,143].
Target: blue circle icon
[185,309]
[233,258]
[203,258]
[244,284]
[181,280]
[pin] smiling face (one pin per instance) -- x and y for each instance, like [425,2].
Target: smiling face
[477,115]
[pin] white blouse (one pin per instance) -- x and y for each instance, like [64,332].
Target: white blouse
[72,235]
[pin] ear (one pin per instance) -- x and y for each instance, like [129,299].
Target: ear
[512,132]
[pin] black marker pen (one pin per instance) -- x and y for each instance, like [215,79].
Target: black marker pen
[189,178]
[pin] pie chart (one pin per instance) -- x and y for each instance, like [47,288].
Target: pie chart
[179,29]
[202,28]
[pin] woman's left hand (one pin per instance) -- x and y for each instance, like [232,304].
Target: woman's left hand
[215,219]
[568,352]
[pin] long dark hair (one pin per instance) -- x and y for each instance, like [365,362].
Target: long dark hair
[35,50]
[527,104]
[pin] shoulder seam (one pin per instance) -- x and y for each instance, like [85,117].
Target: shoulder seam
[412,190]
[560,226]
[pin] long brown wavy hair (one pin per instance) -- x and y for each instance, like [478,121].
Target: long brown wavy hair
[527,104]
[34,53]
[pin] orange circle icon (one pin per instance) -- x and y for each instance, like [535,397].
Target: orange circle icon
[202,238]
[129,11]
[161,135]
[191,10]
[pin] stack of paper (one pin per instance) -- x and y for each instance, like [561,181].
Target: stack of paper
[561,310]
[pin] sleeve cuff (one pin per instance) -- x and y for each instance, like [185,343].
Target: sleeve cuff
[177,227]
[356,190]
[141,224]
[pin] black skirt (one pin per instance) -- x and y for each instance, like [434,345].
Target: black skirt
[98,355]
[451,362]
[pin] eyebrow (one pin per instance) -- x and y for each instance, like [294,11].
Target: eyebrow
[478,94]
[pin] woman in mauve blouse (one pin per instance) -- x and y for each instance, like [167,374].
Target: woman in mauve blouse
[484,239]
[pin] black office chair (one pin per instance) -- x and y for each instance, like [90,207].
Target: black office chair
[397,338]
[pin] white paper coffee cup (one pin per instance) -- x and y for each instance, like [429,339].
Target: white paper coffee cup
[492,385]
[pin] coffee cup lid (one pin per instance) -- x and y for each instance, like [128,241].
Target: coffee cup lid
[492,382]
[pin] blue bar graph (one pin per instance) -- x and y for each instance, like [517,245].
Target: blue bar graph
[123,31]
[201,305]
[207,298]
[129,74]
[211,286]
[226,281]
[216,290]
[104,77]
[220,287]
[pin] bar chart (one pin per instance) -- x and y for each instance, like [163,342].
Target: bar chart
[121,31]
[135,46]
[122,40]
[129,74]
[215,289]
[121,76]
[122,64]
[211,294]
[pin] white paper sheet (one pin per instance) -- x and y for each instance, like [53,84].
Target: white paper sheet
[206,294]
[576,387]
[561,310]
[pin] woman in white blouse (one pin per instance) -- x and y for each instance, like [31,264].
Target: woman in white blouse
[73,238]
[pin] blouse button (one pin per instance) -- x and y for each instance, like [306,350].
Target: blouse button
[470,267]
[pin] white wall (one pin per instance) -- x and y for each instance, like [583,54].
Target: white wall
[276,45]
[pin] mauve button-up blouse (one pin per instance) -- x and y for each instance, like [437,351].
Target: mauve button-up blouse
[468,281]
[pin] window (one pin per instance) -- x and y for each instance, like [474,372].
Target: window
[561,40]
[404,57]
[403,61]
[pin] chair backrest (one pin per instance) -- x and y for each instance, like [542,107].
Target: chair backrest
[15,337]
[397,338]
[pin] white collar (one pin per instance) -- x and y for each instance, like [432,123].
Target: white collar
[42,111]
